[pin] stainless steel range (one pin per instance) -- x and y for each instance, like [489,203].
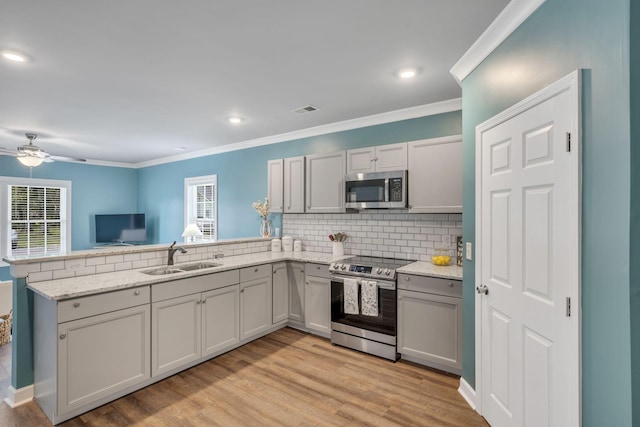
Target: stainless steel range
[363,304]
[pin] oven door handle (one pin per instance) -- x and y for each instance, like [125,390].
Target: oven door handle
[382,284]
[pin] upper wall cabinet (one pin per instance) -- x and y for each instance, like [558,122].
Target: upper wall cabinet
[325,182]
[382,158]
[275,185]
[294,184]
[435,175]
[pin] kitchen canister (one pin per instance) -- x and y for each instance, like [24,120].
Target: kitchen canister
[276,245]
[337,249]
[297,246]
[287,243]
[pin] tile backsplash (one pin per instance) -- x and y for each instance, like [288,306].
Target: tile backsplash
[388,234]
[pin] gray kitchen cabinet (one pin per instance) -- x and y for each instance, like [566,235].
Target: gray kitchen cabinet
[435,175]
[275,185]
[255,300]
[193,318]
[176,333]
[220,319]
[89,350]
[430,321]
[294,184]
[382,158]
[324,182]
[280,293]
[295,273]
[317,296]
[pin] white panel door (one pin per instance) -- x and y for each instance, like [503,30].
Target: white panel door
[361,160]
[255,307]
[530,223]
[317,296]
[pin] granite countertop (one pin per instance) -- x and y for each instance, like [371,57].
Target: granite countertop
[106,282]
[93,284]
[425,268]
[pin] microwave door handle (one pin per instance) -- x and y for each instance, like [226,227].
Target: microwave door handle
[386,190]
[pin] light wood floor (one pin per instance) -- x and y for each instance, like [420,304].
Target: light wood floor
[288,378]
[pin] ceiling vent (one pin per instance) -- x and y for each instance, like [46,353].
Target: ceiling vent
[305,110]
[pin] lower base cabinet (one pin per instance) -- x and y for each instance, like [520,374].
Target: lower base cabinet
[430,321]
[255,300]
[280,292]
[317,299]
[295,275]
[88,349]
[220,319]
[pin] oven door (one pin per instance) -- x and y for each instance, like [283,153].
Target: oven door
[384,323]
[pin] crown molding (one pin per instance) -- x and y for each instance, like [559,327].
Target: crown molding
[376,119]
[513,15]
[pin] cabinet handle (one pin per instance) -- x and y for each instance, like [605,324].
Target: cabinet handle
[255,270]
[204,301]
[76,304]
[241,291]
[451,284]
[63,336]
[407,278]
[198,302]
[136,293]
[399,298]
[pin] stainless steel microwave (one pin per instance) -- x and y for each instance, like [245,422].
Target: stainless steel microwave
[376,190]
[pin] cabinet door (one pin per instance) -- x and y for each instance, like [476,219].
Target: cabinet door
[435,175]
[101,355]
[220,319]
[296,292]
[294,185]
[317,295]
[361,160]
[392,157]
[255,307]
[430,328]
[275,179]
[325,182]
[280,293]
[175,331]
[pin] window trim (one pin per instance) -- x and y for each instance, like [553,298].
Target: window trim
[5,182]
[201,180]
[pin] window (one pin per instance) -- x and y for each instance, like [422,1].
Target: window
[201,205]
[35,222]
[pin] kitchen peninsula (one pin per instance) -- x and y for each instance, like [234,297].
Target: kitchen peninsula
[104,327]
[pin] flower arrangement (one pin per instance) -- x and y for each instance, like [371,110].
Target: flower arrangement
[262,209]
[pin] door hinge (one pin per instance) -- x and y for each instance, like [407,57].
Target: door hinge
[568,142]
[568,306]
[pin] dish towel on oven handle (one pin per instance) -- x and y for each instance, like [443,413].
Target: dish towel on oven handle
[351,296]
[369,298]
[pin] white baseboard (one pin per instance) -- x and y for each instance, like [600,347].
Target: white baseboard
[468,393]
[19,397]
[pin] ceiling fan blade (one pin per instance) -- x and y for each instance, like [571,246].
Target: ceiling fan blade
[67,159]
[5,151]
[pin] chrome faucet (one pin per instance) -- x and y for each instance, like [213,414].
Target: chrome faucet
[172,252]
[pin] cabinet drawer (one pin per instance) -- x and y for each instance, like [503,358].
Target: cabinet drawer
[432,285]
[92,305]
[193,285]
[317,270]
[255,272]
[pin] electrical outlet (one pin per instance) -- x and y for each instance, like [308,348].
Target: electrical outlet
[468,251]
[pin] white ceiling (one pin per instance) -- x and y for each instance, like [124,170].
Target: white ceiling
[130,81]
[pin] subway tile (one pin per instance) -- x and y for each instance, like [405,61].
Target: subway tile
[105,268]
[98,260]
[52,265]
[40,276]
[126,265]
[112,259]
[63,274]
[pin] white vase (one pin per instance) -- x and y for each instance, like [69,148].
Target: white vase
[265,228]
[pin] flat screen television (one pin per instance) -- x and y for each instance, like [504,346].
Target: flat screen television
[121,229]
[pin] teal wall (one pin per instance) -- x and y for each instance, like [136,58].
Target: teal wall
[242,174]
[95,189]
[560,37]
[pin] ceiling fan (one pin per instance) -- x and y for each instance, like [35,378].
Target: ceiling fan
[31,155]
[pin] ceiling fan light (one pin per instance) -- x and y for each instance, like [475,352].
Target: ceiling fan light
[30,161]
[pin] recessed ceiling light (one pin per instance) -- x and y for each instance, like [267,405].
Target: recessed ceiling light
[181,148]
[407,73]
[235,120]
[14,56]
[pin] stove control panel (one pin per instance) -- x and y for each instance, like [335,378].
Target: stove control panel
[365,271]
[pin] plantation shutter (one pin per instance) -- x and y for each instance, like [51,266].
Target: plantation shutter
[205,210]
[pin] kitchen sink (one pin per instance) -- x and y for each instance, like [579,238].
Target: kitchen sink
[161,271]
[198,266]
